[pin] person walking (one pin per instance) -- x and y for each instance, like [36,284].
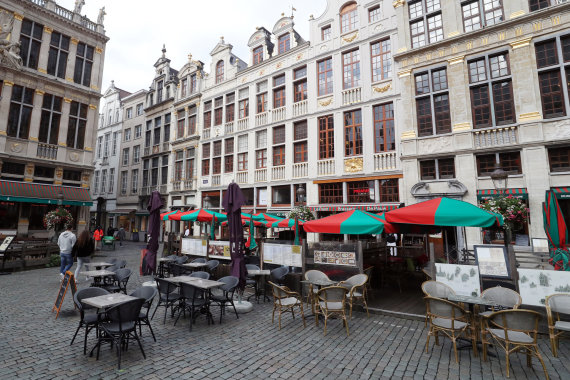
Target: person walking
[187,231]
[97,236]
[83,249]
[122,234]
[66,241]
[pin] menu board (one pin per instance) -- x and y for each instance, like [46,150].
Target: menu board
[492,260]
[335,258]
[536,284]
[282,254]
[463,279]
[219,250]
[195,247]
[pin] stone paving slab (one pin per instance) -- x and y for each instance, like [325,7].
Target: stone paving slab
[34,345]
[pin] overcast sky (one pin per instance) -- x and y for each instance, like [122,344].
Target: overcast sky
[138,28]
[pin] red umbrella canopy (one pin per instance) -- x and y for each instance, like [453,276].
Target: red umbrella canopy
[444,212]
[353,222]
[262,217]
[165,215]
[201,215]
[245,222]
[178,215]
[284,223]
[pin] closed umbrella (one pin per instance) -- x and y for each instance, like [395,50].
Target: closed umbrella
[232,202]
[556,232]
[154,206]
[354,222]
[250,243]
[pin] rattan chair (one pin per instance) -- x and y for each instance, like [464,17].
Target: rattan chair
[285,300]
[450,319]
[356,286]
[503,298]
[225,294]
[332,303]
[515,330]
[201,274]
[312,275]
[437,289]
[555,305]
[168,297]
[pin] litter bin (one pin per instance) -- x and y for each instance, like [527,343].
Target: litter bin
[134,236]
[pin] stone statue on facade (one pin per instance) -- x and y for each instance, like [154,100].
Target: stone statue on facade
[9,51]
[78,5]
[101,16]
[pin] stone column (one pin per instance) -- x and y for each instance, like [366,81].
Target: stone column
[71,60]
[535,163]
[44,50]
[526,93]
[16,27]
[97,71]
[90,128]
[63,127]
[36,116]
[5,106]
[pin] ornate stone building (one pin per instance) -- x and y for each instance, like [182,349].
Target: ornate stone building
[51,62]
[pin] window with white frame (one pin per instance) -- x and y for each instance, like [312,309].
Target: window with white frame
[111,180]
[136,154]
[242,143]
[426,25]
[128,134]
[124,181]
[126,157]
[135,181]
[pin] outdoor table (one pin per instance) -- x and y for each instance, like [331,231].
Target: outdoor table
[260,275]
[195,266]
[97,274]
[107,300]
[161,262]
[99,264]
[320,282]
[472,301]
[199,283]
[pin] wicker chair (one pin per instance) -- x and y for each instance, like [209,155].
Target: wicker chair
[436,289]
[285,300]
[503,298]
[311,275]
[515,330]
[450,319]
[332,303]
[356,286]
[556,304]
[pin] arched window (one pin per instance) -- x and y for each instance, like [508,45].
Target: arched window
[348,17]
[219,71]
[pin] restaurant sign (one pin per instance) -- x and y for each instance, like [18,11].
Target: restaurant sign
[335,258]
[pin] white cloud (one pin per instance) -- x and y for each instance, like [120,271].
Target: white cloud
[138,28]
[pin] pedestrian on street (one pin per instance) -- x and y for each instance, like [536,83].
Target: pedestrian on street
[122,235]
[110,231]
[97,236]
[187,231]
[66,241]
[83,249]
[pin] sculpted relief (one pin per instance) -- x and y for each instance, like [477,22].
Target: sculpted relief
[9,51]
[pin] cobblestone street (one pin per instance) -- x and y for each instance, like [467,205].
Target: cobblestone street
[36,345]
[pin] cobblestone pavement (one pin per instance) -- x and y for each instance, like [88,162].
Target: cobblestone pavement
[35,345]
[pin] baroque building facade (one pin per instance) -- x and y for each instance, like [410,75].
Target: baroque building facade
[51,63]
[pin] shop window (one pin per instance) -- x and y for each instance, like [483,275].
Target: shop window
[559,159]
[360,191]
[330,193]
[281,195]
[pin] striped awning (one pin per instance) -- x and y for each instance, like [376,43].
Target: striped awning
[493,193]
[349,207]
[562,192]
[41,193]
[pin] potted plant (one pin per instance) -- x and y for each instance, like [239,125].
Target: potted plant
[56,220]
[514,211]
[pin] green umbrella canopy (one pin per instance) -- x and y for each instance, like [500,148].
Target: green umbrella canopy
[354,222]
[165,215]
[262,217]
[554,224]
[444,212]
[284,223]
[201,215]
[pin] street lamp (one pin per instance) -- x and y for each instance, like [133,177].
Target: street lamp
[500,179]
[301,193]
[207,201]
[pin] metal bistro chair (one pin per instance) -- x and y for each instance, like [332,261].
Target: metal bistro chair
[356,286]
[450,319]
[557,304]
[148,293]
[199,260]
[332,303]
[515,330]
[225,294]
[181,259]
[168,298]
[120,281]
[201,274]
[87,320]
[212,266]
[285,300]
[278,275]
[192,300]
[251,282]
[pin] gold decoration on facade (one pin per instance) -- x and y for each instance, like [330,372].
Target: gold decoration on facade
[92,107]
[416,59]
[40,92]
[32,138]
[456,60]
[352,165]
[69,79]
[521,43]
[555,20]
[84,185]
[58,172]
[501,36]
[56,182]
[453,34]
[484,40]
[398,3]
[74,41]
[74,157]
[408,135]
[88,149]
[383,88]
[537,26]
[3,133]
[93,87]
[81,223]
[299,56]
[518,31]
[48,30]
[16,147]
[530,116]
[325,103]
[43,71]
[278,65]
[469,45]
[461,127]
[67,100]
[18,16]
[428,56]
[517,14]
[402,49]
[404,73]
[8,83]
[62,144]
[349,39]
[261,72]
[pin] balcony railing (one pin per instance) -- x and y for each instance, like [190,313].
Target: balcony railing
[63,12]
[352,95]
[229,128]
[278,172]
[216,180]
[261,119]
[300,108]
[47,151]
[206,133]
[385,161]
[495,137]
[241,177]
[325,167]
[146,151]
[243,124]
[190,184]
[260,175]
[279,114]
[300,170]
[177,185]
[165,147]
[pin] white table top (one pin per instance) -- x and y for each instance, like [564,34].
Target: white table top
[320,282]
[99,264]
[195,265]
[165,259]
[195,281]
[259,272]
[107,300]
[98,273]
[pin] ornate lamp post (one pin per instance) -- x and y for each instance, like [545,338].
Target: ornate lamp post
[500,179]
[301,194]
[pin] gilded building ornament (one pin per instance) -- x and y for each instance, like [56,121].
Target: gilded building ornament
[92,107]
[402,49]
[517,14]
[518,31]
[98,50]
[461,127]
[69,79]
[278,65]
[93,87]
[453,34]
[8,83]
[16,147]
[530,116]
[18,16]
[456,60]
[48,30]
[32,138]
[555,20]
[326,102]
[352,165]
[58,172]
[404,73]
[88,149]
[3,133]
[351,38]
[74,41]
[398,3]
[383,88]
[61,143]
[299,56]
[40,92]
[74,157]
[408,135]
[261,72]
[67,100]
[537,26]
[521,43]
[43,71]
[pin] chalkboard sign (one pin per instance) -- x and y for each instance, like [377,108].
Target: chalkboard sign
[68,280]
[6,243]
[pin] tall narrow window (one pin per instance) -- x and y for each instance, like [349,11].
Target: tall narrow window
[83,64]
[279,91]
[243,103]
[218,110]
[136,154]
[229,158]
[426,24]
[178,165]
[284,43]
[374,14]
[20,115]
[326,137]
[300,84]
[30,43]
[325,76]
[381,57]
[351,69]
[190,166]
[553,63]
[279,145]
[432,102]
[261,158]
[326,33]
[242,162]
[348,18]
[262,97]
[480,13]
[230,110]
[135,181]
[490,84]
[96,182]
[352,133]
[219,72]
[180,124]
[51,116]
[257,55]
[103,180]
[124,182]
[126,156]
[300,153]
[384,137]
[58,52]
[77,124]
[159,91]
[193,83]
[111,180]
[184,88]
[207,114]
[192,120]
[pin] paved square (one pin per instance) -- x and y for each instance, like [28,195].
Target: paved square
[34,345]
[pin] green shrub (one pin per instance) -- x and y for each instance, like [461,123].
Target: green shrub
[54,261]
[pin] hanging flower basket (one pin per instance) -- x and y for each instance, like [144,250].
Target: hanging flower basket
[301,212]
[514,211]
[57,219]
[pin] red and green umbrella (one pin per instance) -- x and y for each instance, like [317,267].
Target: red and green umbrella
[201,215]
[354,222]
[165,215]
[284,223]
[556,232]
[250,243]
[178,215]
[245,222]
[265,218]
[444,212]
